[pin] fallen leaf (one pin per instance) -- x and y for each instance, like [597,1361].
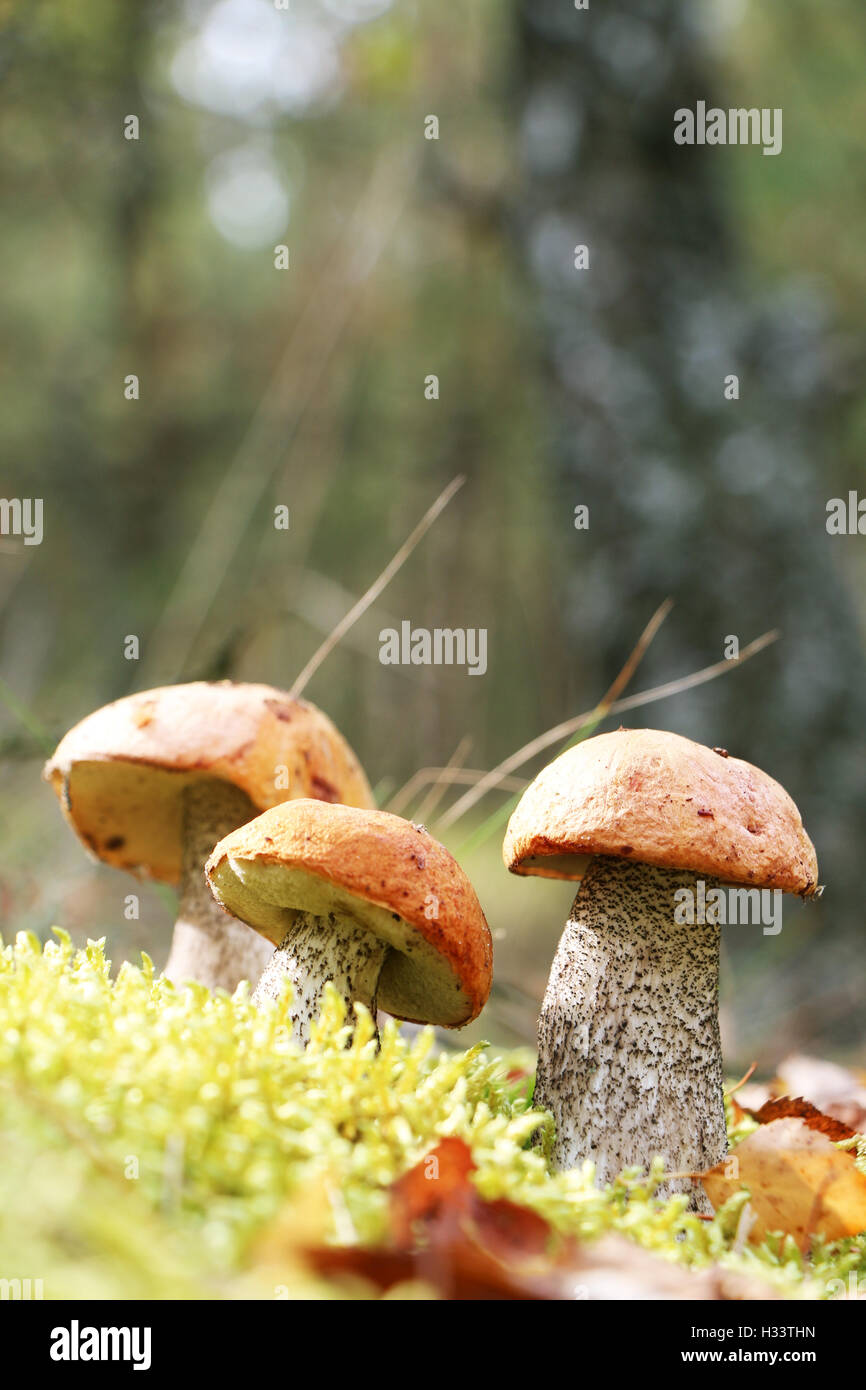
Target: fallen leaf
[738,1112]
[446,1236]
[440,1180]
[836,1090]
[798,1181]
[469,1248]
[788,1107]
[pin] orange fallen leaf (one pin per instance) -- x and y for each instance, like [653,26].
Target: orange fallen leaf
[439,1182]
[445,1235]
[738,1111]
[795,1107]
[798,1181]
[836,1090]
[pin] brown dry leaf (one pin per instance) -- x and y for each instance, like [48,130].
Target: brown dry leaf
[610,1268]
[446,1236]
[795,1107]
[836,1090]
[798,1181]
[425,1193]
[738,1112]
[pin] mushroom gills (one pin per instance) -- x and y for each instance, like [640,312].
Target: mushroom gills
[318,950]
[208,944]
[630,1057]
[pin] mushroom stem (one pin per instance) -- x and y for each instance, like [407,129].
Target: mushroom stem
[629,1054]
[321,949]
[208,945]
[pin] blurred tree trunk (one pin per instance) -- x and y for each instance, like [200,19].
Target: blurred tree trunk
[716,502]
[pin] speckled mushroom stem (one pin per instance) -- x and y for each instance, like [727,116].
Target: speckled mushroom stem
[321,949]
[209,945]
[629,1054]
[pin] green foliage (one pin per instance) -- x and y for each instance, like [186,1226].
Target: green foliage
[152,1136]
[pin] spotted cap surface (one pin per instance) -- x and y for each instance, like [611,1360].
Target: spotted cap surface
[660,799]
[383,872]
[121,772]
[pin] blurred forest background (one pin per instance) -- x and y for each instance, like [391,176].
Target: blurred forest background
[261,126]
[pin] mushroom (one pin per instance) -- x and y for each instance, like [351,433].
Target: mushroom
[151,782]
[361,898]
[629,1054]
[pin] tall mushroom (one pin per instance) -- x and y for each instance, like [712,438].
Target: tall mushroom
[629,1055]
[361,898]
[151,782]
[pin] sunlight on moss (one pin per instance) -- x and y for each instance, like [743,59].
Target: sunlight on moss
[152,1136]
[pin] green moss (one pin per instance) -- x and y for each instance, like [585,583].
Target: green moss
[152,1136]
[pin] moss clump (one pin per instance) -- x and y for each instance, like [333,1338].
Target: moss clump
[153,1136]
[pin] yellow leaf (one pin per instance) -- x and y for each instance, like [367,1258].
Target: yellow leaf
[798,1181]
